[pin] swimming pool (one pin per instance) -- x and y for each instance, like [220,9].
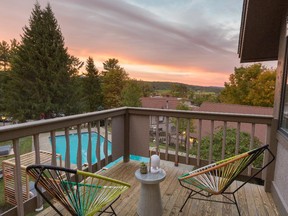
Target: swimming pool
[61,147]
[132,157]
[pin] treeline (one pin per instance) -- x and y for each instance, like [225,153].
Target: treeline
[40,79]
[168,85]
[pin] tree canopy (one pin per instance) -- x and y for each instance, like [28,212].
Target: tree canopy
[92,92]
[179,90]
[41,70]
[6,52]
[231,134]
[251,85]
[114,78]
[131,94]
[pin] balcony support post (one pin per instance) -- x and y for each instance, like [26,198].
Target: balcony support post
[271,140]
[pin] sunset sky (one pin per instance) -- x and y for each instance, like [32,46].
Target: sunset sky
[187,41]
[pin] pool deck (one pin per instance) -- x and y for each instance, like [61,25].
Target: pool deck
[252,199]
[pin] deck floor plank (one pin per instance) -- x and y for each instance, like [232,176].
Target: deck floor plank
[252,199]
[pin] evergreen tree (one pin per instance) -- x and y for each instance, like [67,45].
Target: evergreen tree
[4,55]
[113,82]
[92,90]
[41,70]
[6,52]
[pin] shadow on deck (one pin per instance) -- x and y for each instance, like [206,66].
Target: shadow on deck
[252,199]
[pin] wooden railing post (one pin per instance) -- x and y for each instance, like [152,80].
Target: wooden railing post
[37,161]
[67,155]
[126,156]
[271,138]
[17,176]
[79,156]
[53,145]
[89,148]
[98,146]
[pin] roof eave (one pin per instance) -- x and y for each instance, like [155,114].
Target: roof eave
[260,30]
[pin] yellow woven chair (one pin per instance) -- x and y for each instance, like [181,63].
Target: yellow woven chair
[81,193]
[215,178]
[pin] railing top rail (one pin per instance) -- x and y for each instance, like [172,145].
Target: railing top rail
[10,132]
[216,116]
[26,129]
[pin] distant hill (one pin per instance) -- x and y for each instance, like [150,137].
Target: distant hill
[167,86]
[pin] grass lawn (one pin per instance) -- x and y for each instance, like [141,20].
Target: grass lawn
[25,147]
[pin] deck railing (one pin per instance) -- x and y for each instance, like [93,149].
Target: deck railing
[132,131]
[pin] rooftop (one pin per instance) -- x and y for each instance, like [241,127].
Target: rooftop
[160,102]
[235,108]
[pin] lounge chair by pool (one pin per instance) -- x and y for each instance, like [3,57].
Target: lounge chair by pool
[5,150]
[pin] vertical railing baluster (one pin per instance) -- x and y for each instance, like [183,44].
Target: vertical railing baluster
[211,141]
[167,138]
[177,142]
[98,146]
[89,148]
[106,142]
[53,145]
[37,161]
[224,140]
[17,177]
[252,137]
[237,138]
[251,146]
[266,154]
[67,155]
[188,141]
[199,141]
[157,134]
[79,152]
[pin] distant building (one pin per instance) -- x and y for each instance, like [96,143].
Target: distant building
[165,102]
[233,108]
[173,102]
[160,102]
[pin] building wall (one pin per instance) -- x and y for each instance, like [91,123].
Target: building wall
[279,185]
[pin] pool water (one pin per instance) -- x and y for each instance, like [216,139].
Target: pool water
[132,157]
[61,147]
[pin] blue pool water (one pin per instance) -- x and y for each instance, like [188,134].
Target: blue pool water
[61,147]
[132,157]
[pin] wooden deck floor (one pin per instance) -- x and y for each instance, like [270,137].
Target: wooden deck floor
[252,199]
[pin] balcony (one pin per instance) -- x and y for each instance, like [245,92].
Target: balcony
[131,132]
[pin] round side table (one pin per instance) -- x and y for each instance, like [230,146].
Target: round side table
[150,203]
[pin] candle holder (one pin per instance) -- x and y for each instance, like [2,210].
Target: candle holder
[154,162]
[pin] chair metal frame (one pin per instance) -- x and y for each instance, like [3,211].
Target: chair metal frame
[208,193]
[66,186]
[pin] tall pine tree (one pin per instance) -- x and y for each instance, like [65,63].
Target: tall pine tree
[113,81]
[41,70]
[92,93]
